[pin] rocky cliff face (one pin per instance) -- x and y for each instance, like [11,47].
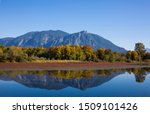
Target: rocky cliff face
[56,38]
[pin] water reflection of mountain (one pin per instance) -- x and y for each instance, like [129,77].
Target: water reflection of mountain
[56,80]
[59,79]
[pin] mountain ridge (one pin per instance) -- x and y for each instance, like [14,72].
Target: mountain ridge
[57,37]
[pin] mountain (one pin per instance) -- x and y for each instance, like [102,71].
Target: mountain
[56,38]
[35,39]
[148,50]
[95,41]
[5,41]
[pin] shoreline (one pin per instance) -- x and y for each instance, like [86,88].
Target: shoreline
[71,66]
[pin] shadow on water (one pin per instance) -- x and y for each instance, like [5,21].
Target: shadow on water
[60,79]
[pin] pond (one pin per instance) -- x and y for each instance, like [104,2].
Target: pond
[133,82]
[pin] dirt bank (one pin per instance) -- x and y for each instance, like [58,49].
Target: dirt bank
[69,66]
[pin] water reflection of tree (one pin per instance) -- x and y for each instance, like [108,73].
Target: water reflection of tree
[67,74]
[140,74]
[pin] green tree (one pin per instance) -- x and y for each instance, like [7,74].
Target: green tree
[15,54]
[105,55]
[52,53]
[112,57]
[128,56]
[135,56]
[80,55]
[73,53]
[67,52]
[147,56]
[89,53]
[1,54]
[101,54]
[140,48]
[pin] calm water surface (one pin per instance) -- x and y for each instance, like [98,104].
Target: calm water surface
[82,83]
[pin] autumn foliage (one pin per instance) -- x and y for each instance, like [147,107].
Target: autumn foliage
[68,52]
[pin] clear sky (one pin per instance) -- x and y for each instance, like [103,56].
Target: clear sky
[124,22]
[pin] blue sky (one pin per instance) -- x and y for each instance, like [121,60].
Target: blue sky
[124,22]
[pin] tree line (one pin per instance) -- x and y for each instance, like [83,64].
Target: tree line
[68,52]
